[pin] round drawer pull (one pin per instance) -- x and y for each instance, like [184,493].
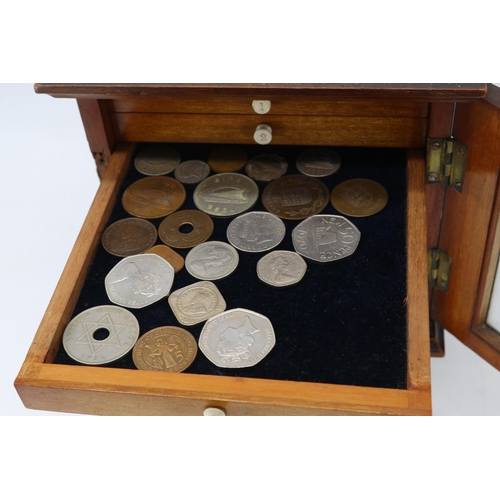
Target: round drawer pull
[214,412]
[261,107]
[263,134]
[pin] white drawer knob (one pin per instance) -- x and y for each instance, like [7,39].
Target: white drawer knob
[261,107]
[263,134]
[214,412]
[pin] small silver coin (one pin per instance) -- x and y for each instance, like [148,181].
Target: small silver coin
[281,268]
[256,232]
[266,167]
[226,195]
[192,171]
[318,162]
[139,281]
[212,260]
[325,238]
[157,160]
[100,335]
[238,338]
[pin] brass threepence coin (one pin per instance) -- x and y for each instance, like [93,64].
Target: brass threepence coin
[171,256]
[295,197]
[129,237]
[165,349]
[186,229]
[318,162]
[153,197]
[227,159]
[157,160]
[359,197]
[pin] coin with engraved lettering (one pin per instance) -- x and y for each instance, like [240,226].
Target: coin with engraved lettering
[196,303]
[153,197]
[266,167]
[237,338]
[326,238]
[100,335]
[171,256]
[192,171]
[226,195]
[256,232]
[165,349]
[129,237]
[227,159]
[186,229]
[212,260]
[139,281]
[318,162]
[157,160]
[359,197]
[281,268]
[295,197]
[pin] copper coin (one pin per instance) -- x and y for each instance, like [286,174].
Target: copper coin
[295,197]
[198,227]
[153,197]
[227,159]
[129,237]
[165,349]
[359,197]
[171,256]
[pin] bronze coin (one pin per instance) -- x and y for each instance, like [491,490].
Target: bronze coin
[295,197]
[165,349]
[199,227]
[227,159]
[153,197]
[171,256]
[359,197]
[129,237]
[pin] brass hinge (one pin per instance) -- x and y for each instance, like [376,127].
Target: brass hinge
[446,160]
[439,267]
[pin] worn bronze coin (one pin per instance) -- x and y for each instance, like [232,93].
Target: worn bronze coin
[171,256]
[186,229]
[295,197]
[359,197]
[227,159]
[165,349]
[153,197]
[129,237]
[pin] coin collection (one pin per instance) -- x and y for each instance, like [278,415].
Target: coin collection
[234,338]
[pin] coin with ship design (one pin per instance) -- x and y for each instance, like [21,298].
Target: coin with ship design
[318,162]
[266,167]
[157,160]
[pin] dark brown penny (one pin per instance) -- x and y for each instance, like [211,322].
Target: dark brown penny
[359,197]
[186,229]
[171,256]
[129,237]
[227,159]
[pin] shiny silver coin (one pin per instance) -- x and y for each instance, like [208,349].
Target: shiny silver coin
[192,171]
[157,160]
[256,232]
[226,195]
[281,268]
[318,162]
[266,167]
[238,338]
[139,281]
[325,238]
[212,260]
[100,335]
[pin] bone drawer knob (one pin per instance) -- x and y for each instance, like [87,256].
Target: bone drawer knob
[261,107]
[263,134]
[214,412]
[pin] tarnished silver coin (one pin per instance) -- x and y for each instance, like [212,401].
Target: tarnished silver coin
[139,281]
[212,260]
[238,338]
[256,232]
[325,238]
[192,171]
[281,268]
[196,303]
[157,160]
[266,167]
[225,195]
[318,162]
[100,335]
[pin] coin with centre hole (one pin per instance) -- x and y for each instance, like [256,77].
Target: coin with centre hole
[186,229]
[157,160]
[192,171]
[171,256]
[129,237]
[318,162]
[227,159]
[212,260]
[359,197]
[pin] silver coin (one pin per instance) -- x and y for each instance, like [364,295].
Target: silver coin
[192,171]
[325,238]
[157,160]
[266,167]
[196,303]
[281,268]
[225,195]
[256,232]
[212,260]
[119,332]
[238,338]
[139,281]
[318,162]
